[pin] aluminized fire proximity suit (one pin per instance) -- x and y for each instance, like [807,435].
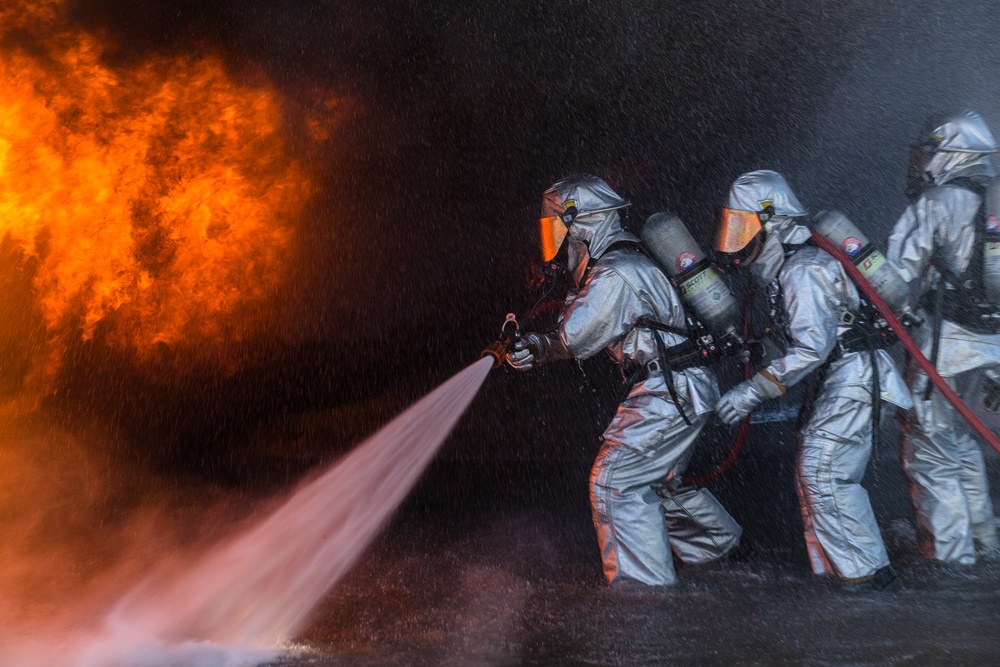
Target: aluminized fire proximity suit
[638,517]
[942,459]
[841,534]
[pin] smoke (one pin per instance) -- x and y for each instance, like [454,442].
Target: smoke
[81,524]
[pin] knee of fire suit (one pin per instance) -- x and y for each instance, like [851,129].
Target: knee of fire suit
[826,463]
[700,528]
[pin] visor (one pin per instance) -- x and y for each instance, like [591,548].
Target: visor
[553,230]
[736,229]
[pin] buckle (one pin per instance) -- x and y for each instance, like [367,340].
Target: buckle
[847,318]
[654,366]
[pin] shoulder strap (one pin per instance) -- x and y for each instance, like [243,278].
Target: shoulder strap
[971,279]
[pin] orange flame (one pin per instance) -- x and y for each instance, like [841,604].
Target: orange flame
[163,193]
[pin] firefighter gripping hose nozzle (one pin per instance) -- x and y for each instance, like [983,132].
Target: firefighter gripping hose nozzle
[509,334]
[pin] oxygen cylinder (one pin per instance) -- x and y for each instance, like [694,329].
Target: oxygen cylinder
[991,244]
[700,285]
[840,231]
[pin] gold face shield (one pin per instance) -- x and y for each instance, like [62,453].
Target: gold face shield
[555,227]
[553,233]
[736,229]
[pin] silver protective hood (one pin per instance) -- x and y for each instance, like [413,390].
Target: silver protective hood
[588,193]
[596,224]
[946,166]
[959,145]
[962,132]
[756,190]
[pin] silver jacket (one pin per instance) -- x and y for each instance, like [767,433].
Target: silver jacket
[817,293]
[944,217]
[623,286]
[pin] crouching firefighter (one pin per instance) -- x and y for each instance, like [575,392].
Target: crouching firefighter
[830,332]
[947,246]
[621,295]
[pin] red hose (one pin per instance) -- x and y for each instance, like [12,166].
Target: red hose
[744,429]
[904,338]
[734,453]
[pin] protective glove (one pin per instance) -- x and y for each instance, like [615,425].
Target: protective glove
[741,400]
[527,351]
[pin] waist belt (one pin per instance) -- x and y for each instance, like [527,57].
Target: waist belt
[864,334]
[679,357]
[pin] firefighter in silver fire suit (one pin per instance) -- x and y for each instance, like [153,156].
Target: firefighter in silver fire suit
[937,246]
[641,510]
[815,304]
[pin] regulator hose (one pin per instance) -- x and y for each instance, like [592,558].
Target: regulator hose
[904,337]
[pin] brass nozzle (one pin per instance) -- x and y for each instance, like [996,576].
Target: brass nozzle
[497,350]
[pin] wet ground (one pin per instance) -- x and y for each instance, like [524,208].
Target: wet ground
[519,583]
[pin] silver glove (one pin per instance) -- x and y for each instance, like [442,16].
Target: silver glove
[741,400]
[526,352]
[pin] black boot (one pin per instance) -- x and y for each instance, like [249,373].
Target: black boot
[884,579]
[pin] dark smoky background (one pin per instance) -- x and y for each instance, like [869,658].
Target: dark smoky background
[447,121]
[425,228]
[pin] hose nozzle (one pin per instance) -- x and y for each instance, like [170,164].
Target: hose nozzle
[508,334]
[497,350]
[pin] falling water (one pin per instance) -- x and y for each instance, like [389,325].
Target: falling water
[257,589]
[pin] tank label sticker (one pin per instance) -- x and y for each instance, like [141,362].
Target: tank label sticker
[702,289]
[685,261]
[851,246]
[871,264]
[992,224]
[992,248]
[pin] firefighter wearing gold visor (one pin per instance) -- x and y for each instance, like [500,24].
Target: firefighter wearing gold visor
[811,302]
[639,517]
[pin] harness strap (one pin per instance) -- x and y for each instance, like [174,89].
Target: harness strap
[969,288]
[876,414]
[668,376]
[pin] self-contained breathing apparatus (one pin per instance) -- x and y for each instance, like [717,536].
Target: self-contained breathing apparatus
[710,307]
[972,299]
[701,346]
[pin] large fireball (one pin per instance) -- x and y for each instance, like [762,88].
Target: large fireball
[162,193]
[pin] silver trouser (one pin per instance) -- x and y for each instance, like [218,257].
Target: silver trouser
[946,476]
[636,517]
[841,534]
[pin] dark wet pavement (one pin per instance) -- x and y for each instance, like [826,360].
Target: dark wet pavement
[519,583]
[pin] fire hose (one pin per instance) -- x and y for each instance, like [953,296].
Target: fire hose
[904,337]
